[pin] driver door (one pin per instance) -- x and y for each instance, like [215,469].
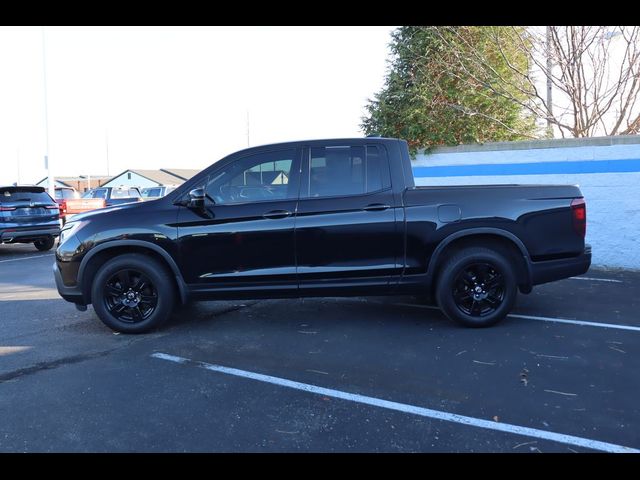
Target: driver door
[244,241]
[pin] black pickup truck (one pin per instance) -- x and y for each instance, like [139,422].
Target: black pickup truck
[322,218]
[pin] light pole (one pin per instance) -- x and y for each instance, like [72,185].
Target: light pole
[549,85]
[50,180]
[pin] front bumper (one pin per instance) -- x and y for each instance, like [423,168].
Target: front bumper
[30,234]
[551,270]
[71,294]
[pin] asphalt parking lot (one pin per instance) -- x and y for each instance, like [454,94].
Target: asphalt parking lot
[349,375]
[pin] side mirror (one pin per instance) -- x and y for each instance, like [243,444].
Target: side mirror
[196,198]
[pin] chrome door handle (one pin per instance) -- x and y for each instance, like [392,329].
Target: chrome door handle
[376,207]
[275,214]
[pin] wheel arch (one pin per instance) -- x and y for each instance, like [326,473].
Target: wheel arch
[96,257]
[501,240]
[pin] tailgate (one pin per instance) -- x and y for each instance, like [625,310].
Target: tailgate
[80,205]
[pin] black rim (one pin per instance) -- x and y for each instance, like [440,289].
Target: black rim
[479,289]
[130,296]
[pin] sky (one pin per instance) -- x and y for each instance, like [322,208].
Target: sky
[162,97]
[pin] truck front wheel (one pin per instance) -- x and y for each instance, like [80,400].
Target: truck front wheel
[476,287]
[133,293]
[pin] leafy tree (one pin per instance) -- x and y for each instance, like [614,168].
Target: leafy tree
[592,74]
[441,86]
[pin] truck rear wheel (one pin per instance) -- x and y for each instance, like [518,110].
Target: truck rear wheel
[477,287]
[133,293]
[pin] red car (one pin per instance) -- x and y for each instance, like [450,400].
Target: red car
[62,195]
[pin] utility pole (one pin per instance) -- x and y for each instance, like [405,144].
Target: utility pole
[50,180]
[18,163]
[549,85]
[248,144]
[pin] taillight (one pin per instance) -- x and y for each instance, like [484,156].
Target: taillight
[579,213]
[7,209]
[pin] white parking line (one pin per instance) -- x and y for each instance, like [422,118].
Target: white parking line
[406,408]
[596,279]
[577,322]
[27,258]
[544,319]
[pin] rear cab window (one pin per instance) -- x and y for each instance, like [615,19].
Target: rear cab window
[66,194]
[124,193]
[97,193]
[152,192]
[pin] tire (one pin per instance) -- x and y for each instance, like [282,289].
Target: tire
[149,290]
[462,292]
[45,245]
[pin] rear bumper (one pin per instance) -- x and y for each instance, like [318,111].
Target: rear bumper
[551,270]
[71,294]
[31,234]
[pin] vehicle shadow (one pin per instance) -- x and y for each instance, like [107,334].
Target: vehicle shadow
[358,312]
[18,250]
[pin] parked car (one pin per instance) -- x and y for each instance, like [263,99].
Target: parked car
[115,195]
[322,218]
[153,193]
[28,215]
[102,197]
[62,195]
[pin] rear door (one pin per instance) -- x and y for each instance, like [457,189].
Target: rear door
[27,206]
[346,232]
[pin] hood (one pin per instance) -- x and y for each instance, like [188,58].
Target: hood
[92,213]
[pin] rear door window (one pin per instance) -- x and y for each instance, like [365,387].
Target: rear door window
[337,171]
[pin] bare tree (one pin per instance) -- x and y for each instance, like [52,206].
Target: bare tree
[594,72]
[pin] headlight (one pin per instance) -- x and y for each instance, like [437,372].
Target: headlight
[68,230]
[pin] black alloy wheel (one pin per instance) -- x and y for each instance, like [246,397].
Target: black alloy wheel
[477,286]
[130,296]
[133,293]
[479,289]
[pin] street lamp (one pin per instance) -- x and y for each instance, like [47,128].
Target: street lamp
[50,180]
